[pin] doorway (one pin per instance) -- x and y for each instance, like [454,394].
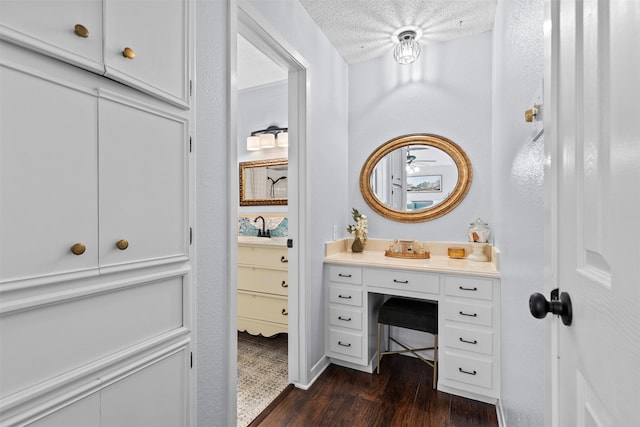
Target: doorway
[250,30]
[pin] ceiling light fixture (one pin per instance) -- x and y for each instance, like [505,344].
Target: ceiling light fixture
[407,50]
[268,138]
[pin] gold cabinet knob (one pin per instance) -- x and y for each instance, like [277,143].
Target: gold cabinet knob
[81,31]
[78,249]
[122,244]
[128,53]
[528,116]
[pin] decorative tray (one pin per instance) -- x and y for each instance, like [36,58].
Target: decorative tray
[411,255]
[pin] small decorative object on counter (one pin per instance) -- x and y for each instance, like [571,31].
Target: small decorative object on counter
[359,231]
[479,231]
[456,253]
[407,249]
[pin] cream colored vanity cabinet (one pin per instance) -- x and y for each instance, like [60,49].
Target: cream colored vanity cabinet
[90,178]
[142,45]
[262,288]
[469,325]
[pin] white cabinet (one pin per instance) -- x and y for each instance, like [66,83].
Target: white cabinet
[469,346]
[48,174]
[95,275]
[94,168]
[143,182]
[262,289]
[49,27]
[351,316]
[468,321]
[157,39]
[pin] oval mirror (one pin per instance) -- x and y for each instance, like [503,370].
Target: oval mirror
[415,178]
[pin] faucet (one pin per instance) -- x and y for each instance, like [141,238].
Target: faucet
[263,232]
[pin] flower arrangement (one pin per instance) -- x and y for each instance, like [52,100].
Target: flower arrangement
[359,229]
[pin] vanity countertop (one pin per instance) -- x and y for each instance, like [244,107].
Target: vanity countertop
[373,256]
[262,241]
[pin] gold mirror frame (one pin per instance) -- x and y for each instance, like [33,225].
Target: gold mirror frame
[459,192]
[244,167]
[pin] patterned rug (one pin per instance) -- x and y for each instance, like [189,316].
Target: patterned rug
[262,373]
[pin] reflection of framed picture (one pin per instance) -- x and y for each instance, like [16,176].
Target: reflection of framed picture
[427,183]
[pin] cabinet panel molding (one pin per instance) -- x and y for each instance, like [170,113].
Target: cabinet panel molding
[40,344]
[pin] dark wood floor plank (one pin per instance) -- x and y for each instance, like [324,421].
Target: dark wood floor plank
[401,395]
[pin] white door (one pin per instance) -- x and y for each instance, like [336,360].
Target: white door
[594,142]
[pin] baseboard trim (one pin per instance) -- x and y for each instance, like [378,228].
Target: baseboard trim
[317,370]
[500,414]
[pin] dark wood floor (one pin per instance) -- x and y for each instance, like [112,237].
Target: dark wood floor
[400,396]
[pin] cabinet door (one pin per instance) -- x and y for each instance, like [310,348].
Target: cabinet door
[48,175]
[157,35]
[49,27]
[143,182]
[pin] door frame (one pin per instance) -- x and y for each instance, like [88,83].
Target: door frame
[244,19]
[551,173]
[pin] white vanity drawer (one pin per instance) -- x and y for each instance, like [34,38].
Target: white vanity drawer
[469,370]
[341,274]
[477,314]
[345,317]
[478,341]
[469,287]
[349,295]
[346,343]
[403,280]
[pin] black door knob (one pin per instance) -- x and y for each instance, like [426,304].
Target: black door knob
[539,306]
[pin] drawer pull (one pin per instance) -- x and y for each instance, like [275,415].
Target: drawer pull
[462,313]
[284,312]
[344,297]
[343,275]
[404,282]
[468,372]
[346,319]
[78,249]
[81,31]
[343,344]
[468,342]
[129,53]
[284,284]
[462,288]
[283,259]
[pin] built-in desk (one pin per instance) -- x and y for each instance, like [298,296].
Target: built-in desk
[468,295]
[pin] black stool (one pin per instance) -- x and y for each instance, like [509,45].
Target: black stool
[419,315]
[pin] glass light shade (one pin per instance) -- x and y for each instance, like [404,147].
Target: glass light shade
[253,143]
[267,140]
[283,139]
[406,51]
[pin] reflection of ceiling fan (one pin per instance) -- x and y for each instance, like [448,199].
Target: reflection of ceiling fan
[412,166]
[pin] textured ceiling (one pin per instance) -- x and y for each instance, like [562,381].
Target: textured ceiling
[364,29]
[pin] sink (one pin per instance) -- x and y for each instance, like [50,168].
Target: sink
[267,241]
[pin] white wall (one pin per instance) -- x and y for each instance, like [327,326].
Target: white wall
[258,108]
[212,192]
[447,91]
[326,170]
[518,206]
